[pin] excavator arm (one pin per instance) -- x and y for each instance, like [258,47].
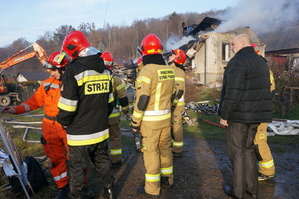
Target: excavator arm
[38,52]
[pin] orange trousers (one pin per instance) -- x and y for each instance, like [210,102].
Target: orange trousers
[56,148]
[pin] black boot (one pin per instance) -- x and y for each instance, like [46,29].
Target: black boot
[228,190]
[88,193]
[108,191]
[165,183]
[63,192]
[142,192]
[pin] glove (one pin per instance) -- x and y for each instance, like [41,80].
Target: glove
[135,129]
[9,109]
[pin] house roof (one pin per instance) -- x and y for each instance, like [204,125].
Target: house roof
[34,75]
[282,38]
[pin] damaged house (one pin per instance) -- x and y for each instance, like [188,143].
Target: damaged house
[210,52]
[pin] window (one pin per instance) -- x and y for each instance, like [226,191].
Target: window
[225,51]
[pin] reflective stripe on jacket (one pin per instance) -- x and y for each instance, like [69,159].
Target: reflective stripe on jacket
[179,85]
[85,101]
[43,97]
[157,82]
[120,92]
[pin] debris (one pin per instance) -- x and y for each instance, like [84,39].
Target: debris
[283,127]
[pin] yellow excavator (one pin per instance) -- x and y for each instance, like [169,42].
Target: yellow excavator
[6,96]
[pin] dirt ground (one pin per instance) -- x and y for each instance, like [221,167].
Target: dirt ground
[202,171]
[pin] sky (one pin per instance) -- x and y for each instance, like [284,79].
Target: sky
[30,19]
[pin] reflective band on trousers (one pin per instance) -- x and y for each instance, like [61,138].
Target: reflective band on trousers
[79,140]
[115,151]
[152,177]
[115,113]
[168,170]
[178,143]
[63,175]
[267,164]
[182,99]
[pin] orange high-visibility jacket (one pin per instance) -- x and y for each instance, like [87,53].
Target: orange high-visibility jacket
[43,97]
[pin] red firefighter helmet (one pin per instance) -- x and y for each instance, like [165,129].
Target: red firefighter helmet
[108,59]
[255,48]
[180,56]
[56,60]
[74,43]
[151,44]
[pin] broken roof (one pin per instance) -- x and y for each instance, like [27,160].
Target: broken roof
[282,39]
[207,24]
[34,75]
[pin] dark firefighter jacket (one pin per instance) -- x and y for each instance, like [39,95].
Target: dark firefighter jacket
[246,95]
[86,101]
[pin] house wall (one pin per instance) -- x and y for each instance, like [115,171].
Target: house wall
[208,61]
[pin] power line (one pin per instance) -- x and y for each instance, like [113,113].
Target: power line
[105,14]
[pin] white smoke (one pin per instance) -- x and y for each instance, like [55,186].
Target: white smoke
[261,16]
[174,42]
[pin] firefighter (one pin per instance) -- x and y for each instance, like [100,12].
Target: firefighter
[176,62]
[53,136]
[152,115]
[264,156]
[84,106]
[139,65]
[122,104]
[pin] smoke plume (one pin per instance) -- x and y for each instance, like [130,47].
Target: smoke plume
[261,16]
[174,42]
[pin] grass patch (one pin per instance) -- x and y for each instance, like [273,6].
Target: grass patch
[204,129]
[25,148]
[210,131]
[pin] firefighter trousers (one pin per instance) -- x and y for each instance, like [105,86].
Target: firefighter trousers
[115,139]
[240,150]
[55,147]
[177,131]
[265,159]
[80,157]
[157,157]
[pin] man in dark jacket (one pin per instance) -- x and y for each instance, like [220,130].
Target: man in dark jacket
[245,103]
[84,106]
